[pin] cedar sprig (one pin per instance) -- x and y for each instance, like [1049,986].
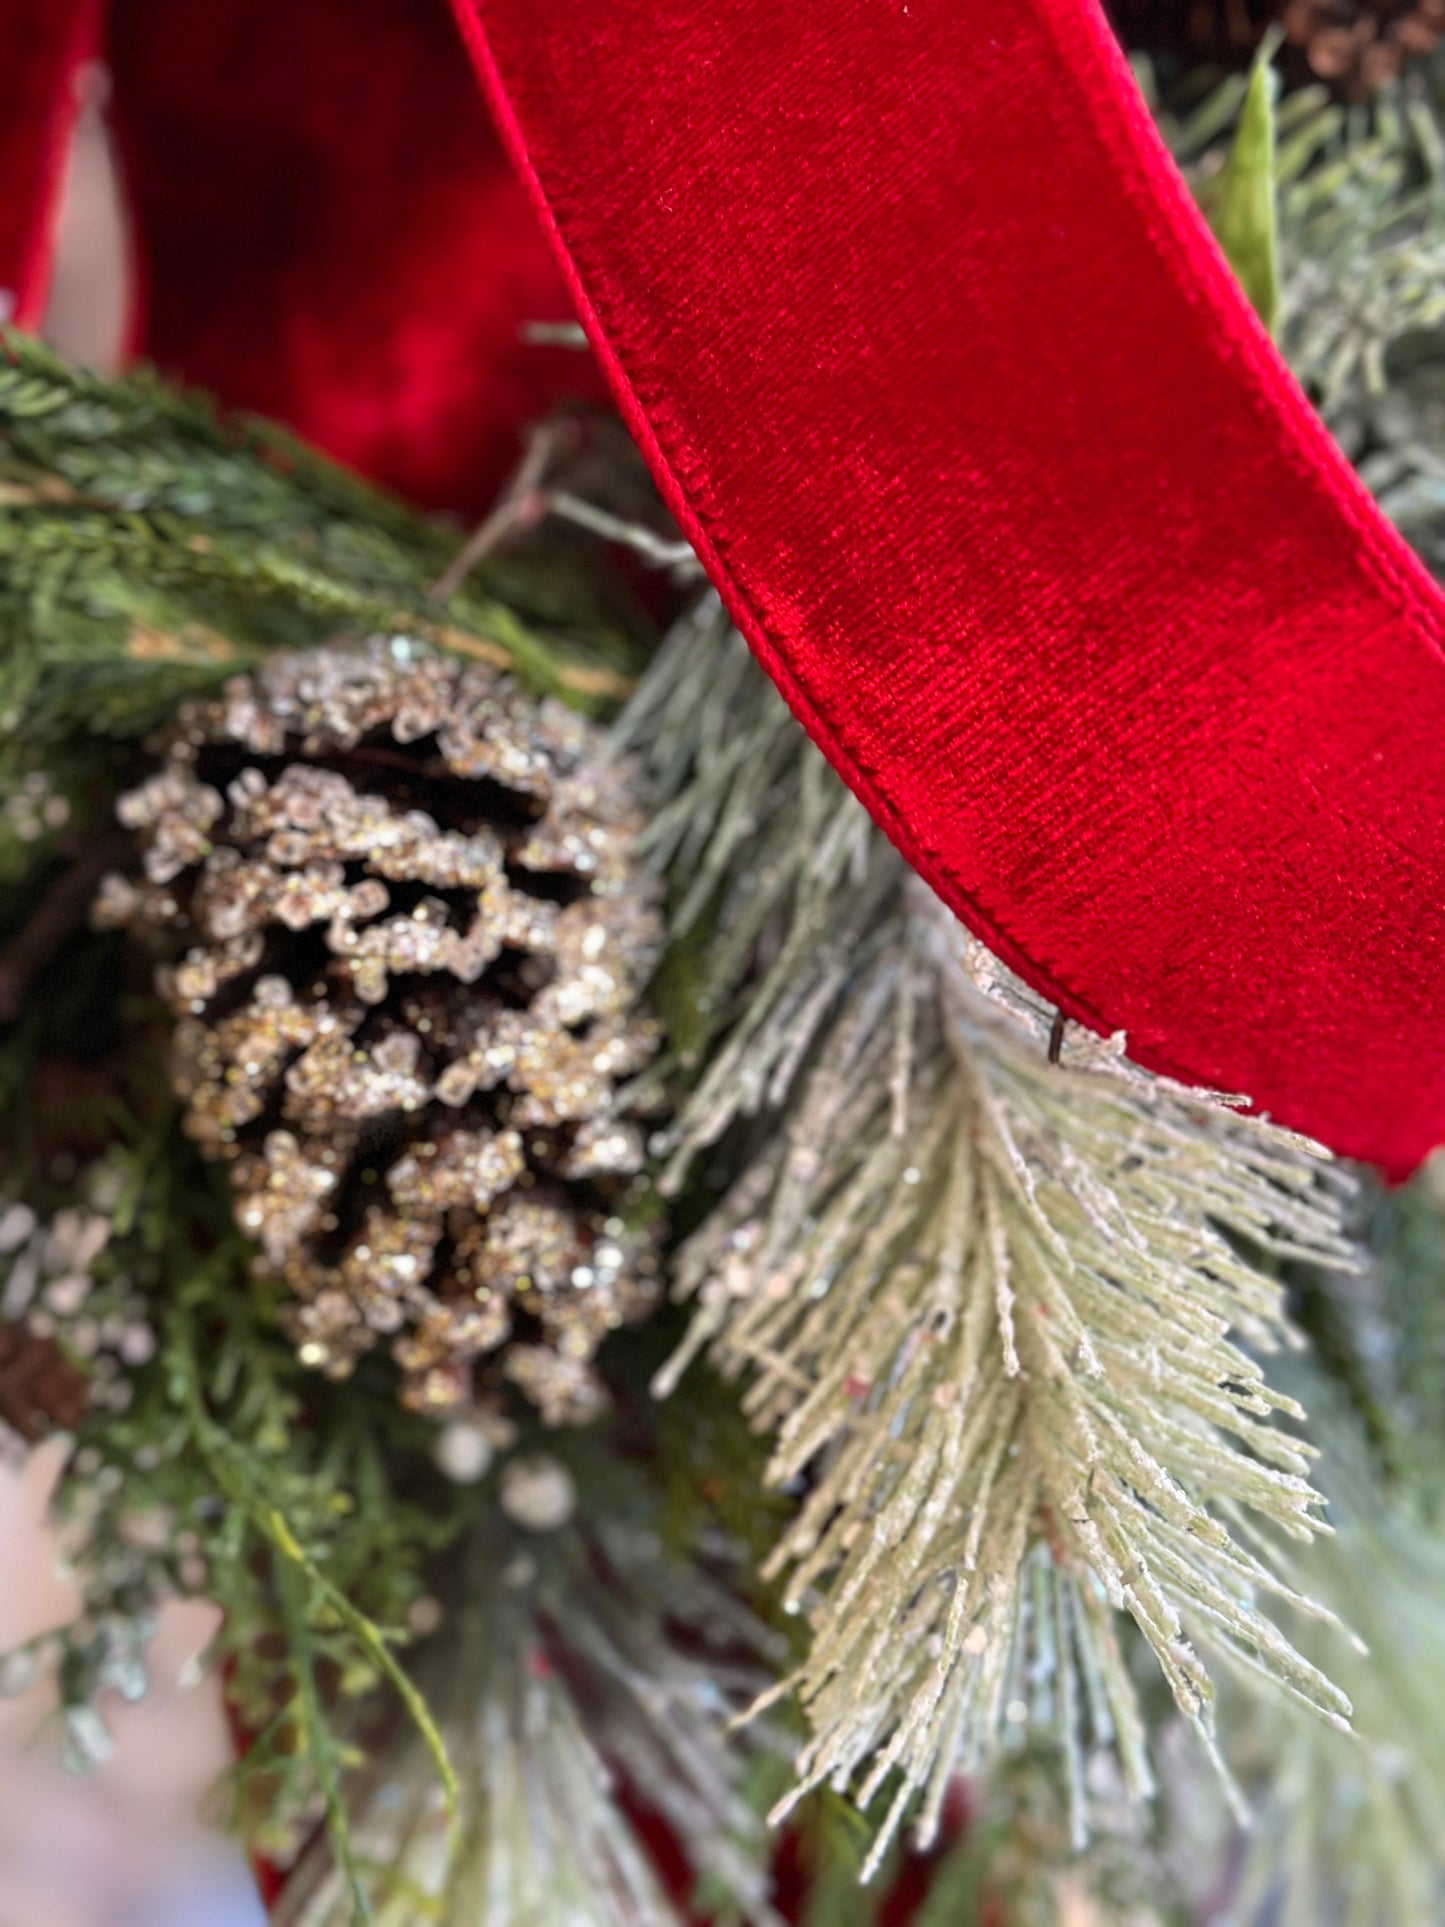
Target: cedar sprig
[311,1517]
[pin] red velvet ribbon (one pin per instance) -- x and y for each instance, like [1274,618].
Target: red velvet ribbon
[328,232]
[943,376]
[941,373]
[323,224]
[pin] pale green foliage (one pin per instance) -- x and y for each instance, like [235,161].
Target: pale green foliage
[1349,1831]
[1361,242]
[988,1308]
[779,883]
[1243,210]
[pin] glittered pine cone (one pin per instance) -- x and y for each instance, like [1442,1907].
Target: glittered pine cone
[407,941]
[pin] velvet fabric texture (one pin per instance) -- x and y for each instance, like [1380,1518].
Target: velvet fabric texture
[324,225]
[942,374]
[328,232]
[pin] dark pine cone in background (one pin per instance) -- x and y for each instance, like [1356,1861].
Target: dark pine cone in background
[417,936]
[1355,46]
[41,1391]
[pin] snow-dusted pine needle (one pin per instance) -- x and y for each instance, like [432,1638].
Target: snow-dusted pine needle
[994,1308]
[1350,1827]
[578,1661]
[779,883]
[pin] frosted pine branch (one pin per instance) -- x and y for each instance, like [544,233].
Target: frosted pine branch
[582,1663]
[991,1321]
[1002,1315]
[1350,1828]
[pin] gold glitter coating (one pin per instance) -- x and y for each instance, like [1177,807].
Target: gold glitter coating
[407,938]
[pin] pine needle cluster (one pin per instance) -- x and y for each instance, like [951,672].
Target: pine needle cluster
[149,547]
[1349,1828]
[1002,1314]
[583,1661]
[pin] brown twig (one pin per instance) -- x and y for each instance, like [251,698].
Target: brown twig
[40,1389]
[522,506]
